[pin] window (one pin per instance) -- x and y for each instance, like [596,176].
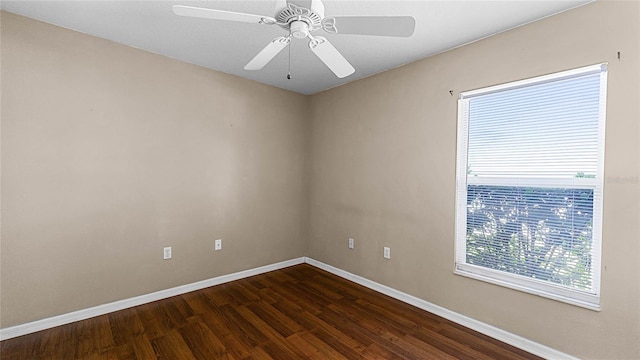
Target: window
[529,184]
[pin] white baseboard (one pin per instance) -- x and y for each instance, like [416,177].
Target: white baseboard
[486,329]
[31,327]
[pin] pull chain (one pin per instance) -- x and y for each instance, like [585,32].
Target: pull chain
[289,71]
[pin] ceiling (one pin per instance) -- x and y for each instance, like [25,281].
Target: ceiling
[227,46]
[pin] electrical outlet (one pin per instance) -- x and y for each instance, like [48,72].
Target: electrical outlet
[386,253]
[218,245]
[351,243]
[167,253]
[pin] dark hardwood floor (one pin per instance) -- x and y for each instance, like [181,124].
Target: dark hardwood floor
[299,312]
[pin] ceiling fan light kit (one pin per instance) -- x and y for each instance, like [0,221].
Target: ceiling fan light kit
[300,22]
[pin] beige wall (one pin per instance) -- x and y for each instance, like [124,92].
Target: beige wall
[383,158]
[110,153]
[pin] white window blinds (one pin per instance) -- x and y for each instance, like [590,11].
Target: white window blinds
[529,184]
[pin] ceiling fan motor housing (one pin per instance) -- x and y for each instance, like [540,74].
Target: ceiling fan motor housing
[299,21]
[299,29]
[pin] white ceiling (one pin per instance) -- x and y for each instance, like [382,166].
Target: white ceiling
[228,46]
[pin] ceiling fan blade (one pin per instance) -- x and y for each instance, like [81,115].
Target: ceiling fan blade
[318,7]
[269,52]
[397,26]
[331,57]
[221,15]
[279,6]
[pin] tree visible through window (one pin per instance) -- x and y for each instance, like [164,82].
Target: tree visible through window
[529,184]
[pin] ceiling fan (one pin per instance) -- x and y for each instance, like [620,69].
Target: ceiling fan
[300,22]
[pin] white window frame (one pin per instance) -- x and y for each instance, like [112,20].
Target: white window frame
[586,299]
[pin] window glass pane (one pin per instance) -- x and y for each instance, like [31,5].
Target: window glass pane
[539,233]
[545,130]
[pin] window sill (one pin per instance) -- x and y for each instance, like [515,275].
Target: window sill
[587,301]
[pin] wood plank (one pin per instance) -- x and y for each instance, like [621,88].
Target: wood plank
[203,343]
[198,302]
[125,326]
[327,351]
[276,340]
[172,346]
[276,320]
[343,344]
[307,350]
[142,347]
[93,336]
[239,349]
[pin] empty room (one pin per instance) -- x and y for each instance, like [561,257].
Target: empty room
[313,179]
